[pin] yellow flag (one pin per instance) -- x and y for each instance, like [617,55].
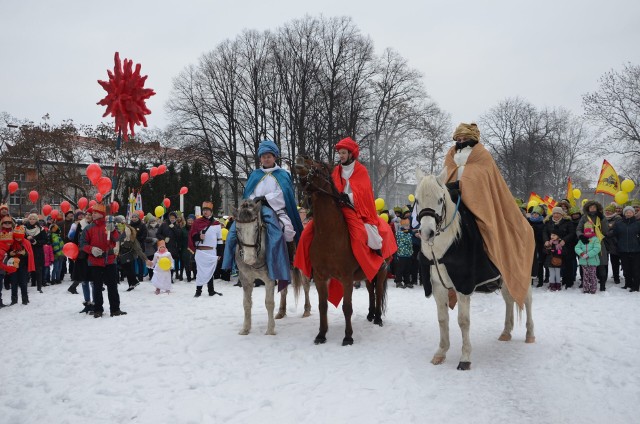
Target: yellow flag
[608,182]
[570,197]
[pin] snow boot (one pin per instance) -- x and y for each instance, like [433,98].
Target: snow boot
[117,313]
[198,291]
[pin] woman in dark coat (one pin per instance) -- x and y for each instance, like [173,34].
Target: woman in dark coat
[37,236]
[626,232]
[560,224]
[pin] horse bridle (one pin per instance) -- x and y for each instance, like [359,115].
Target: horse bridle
[327,178]
[438,218]
[258,240]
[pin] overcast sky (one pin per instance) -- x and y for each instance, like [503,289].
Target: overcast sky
[473,54]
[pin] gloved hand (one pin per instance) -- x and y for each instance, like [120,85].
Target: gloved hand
[96,251]
[260,199]
[166,239]
[344,198]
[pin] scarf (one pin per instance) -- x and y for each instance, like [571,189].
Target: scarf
[597,226]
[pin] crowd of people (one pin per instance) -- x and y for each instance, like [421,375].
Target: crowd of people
[569,241]
[572,242]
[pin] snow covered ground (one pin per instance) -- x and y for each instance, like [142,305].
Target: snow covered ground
[176,359]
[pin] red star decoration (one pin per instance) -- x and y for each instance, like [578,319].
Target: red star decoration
[126,96]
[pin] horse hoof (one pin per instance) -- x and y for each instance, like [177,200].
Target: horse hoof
[378,321]
[437,360]
[504,337]
[530,339]
[347,341]
[306,314]
[370,317]
[244,332]
[464,366]
[280,315]
[320,340]
[270,333]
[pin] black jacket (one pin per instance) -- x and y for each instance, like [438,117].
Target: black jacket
[627,233]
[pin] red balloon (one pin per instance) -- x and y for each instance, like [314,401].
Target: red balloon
[70,250]
[162,169]
[140,214]
[166,202]
[82,202]
[104,185]
[46,210]
[144,177]
[55,214]
[184,190]
[115,207]
[92,202]
[94,172]
[13,186]
[98,197]
[153,171]
[65,207]
[33,196]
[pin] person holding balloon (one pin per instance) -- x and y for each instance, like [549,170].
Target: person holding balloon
[162,265]
[98,242]
[171,233]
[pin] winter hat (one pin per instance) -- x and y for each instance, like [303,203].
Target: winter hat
[537,209]
[99,208]
[5,207]
[628,208]
[557,209]
[468,131]
[173,214]
[610,208]
[350,145]
[120,219]
[191,216]
[268,146]
[588,231]
[575,211]
[18,232]
[635,202]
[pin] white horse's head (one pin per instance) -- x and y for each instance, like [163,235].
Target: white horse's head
[249,231]
[435,206]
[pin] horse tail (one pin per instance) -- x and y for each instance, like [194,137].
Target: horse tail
[296,280]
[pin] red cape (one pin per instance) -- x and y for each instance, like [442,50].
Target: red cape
[197,226]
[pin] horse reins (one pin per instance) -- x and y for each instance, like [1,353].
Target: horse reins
[334,194]
[258,241]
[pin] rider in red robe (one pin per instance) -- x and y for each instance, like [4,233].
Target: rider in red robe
[371,238]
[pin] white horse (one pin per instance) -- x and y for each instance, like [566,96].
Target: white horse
[440,227]
[250,258]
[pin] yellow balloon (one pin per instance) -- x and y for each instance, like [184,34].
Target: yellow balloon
[576,193]
[159,211]
[225,233]
[379,204]
[627,186]
[584,201]
[165,263]
[385,217]
[412,198]
[621,197]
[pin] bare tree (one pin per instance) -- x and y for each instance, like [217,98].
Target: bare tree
[615,109]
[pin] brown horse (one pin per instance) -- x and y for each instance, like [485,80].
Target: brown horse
[330,252]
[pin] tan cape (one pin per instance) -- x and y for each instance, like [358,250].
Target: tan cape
[508,237]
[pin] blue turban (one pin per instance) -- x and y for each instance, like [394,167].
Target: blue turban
[268,146]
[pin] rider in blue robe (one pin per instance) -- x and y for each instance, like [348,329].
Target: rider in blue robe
[274,187]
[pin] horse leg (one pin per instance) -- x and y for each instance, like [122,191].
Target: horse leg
[440,295]
[508,318]
[464,321]
[270,304]
[372,301]
[306,284]
[528,303]
[323,293]
[347,310]
[247,288]
[282,311]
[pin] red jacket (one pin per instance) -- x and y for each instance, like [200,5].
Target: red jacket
[95,235]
